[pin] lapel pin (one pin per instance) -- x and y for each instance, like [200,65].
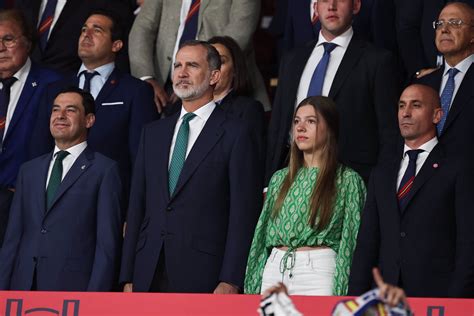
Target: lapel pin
[83,167]
[113,81]
[435,165]
[34,84]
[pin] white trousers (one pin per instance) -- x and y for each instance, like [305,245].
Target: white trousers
[309,272]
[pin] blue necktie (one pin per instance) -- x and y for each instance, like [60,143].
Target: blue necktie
[408,178]
[446,97]
[179,152]
[191,22]
[4,101]
[87,79]
[317,80]
[46,22]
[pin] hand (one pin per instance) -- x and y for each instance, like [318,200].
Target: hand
[390,294]
[226,288]
[423,72]
[128,288]
[280,287]
[161,98]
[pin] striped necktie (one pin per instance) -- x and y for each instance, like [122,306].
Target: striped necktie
[446,97]
[191,22]
[408,177]
[4,101]
[46,22]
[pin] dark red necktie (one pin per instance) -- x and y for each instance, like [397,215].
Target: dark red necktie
[407,181]
[191,22]
[46,22]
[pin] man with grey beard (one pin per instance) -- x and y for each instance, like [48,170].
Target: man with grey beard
[195,194]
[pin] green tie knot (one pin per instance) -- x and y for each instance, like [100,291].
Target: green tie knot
[60,155]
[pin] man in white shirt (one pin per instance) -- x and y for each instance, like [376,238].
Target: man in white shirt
[195,194]
[64,229]
[454,31]
[417,222]
[360,78]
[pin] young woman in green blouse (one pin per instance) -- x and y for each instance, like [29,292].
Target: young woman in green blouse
[307,230]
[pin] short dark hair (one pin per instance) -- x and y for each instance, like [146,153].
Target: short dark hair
[117,29]
[213,58]
[240,81]
[17,16]
[87,99]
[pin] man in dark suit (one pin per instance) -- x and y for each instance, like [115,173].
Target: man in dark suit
[22,83]
[123,104]
[67,238]
[455,81]
[417,222]
[57,45]
[360,78]
[195,193]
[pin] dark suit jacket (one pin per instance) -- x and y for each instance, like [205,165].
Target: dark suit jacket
[415,33]
[365,89]
[205,228]
[61,50]
[17,139]
[75,244]
[123,106]
[458,131]
[428,248]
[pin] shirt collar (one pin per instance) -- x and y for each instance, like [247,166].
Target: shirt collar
[74,151]
[204,112]
[23,72]
[426,147]
[462,66]
[104,70]
[342,40]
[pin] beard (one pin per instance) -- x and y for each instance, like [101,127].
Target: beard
[192,91]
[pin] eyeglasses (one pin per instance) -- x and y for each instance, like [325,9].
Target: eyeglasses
[453,23]
[9,41]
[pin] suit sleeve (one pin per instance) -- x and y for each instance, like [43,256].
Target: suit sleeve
[9,249]
[255,117]
[367,248]
[143,111]
[142,39]
[245,205]
[462,281]
[109,232]
[136,211]
[243,19]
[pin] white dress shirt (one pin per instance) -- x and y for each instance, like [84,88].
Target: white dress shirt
[57,12]
[337,54]
[74,152]
[420,160]
[98,81]
[15,91]
[195,126]
[463,67]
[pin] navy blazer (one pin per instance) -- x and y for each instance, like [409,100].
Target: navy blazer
[207,225]
[75,244]
[17,139]
[123,106]
[427,247]
[365,90]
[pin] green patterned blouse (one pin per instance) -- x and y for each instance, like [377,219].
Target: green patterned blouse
[290,228]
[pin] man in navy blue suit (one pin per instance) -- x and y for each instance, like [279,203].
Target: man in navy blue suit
[123,103]
[195,194]
[22,83]
[64,229]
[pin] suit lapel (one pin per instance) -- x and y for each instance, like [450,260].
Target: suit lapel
[29,89]
[465,92]
[109,86]
[209,136]
[162,157]
[432,163]
[81,164]
[40,183]
[350,59]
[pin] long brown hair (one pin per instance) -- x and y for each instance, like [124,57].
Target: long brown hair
[324,193]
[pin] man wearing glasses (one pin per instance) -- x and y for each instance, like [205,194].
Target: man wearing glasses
[454,31]
[21,85]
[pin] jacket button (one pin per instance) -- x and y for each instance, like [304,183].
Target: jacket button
[169,208]
[402,234]
[43,231]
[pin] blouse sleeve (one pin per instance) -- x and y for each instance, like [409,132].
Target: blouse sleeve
[259,252]
[353,196]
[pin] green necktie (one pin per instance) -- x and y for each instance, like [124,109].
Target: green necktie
[179,152]
[55,177]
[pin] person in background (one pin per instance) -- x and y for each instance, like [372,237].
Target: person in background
[308,226]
